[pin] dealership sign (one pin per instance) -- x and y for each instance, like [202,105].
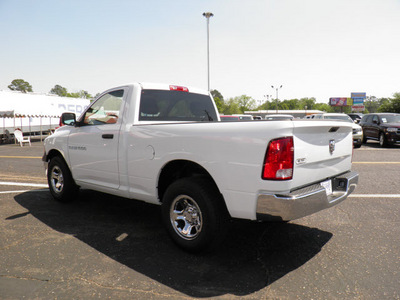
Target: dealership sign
[356,101]
[338,101]
[358,108]
[359,95]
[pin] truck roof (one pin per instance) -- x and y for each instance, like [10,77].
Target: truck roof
[166,86]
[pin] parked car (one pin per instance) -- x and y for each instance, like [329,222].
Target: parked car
[309,116]
[229,119]
[278,117]
[357,130]
[244,117]
[356,117]
[382,127]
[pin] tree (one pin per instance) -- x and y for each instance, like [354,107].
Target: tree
[20,85]
[309,102]
[245,103]
[384,105]
[290,104]
[81,94]
[371,104]
[396,103]
[217,94]
[391,104]
[323,107]
[59,90]
[218,99]
[219,103]
[231,107]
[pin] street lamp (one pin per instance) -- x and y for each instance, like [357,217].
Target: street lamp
[208,15]
[267,97]
[277,88]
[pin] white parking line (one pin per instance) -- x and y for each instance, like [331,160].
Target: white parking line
[24,184]
[24,191]
[374,196]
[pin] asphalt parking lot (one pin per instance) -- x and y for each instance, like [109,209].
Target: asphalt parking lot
[104,247]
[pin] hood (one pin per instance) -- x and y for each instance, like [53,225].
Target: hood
[396,125]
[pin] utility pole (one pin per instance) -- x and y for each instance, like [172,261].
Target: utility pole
[208,15]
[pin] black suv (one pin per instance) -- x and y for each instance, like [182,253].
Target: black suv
[383,127]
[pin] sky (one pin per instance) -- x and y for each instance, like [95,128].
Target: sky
[313,48]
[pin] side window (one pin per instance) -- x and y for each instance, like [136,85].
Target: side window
[364,119]
[375,119]
[368,119]
[105,110]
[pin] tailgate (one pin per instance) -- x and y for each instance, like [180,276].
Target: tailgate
[322,149]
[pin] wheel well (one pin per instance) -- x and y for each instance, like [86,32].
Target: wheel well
[53,153]
[177,169]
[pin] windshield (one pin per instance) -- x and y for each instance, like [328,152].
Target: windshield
[163,105]
[390,119]
[338,117]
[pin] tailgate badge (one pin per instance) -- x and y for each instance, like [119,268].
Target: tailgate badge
[331,146]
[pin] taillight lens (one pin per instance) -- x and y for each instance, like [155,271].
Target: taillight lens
[178,88]
[278,164]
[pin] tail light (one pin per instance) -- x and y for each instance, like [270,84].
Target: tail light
[178,88]
[278,163]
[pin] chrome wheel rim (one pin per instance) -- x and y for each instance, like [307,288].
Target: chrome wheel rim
[185,217]
[381,139]
[57,179]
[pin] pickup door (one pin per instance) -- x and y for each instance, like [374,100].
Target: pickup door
[93,143]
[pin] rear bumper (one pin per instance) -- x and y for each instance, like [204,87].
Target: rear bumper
[305,201]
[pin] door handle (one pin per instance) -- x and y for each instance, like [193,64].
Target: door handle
[107,136]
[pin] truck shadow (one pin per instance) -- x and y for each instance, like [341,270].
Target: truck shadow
[253,255]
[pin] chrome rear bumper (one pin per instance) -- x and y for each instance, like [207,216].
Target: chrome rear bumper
[305,201]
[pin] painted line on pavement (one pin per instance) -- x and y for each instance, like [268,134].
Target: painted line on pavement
[376,162]
[374,196]
[12,156]
[24,184]
[23,191]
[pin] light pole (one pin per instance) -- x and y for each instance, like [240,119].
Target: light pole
[277,88]
[208,15]
[266,102]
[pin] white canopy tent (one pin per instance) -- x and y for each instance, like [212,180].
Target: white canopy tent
[35,112]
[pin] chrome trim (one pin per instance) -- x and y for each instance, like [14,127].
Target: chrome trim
[305,201]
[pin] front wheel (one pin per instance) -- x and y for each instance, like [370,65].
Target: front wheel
[382,140]
[61,184]
[194,214]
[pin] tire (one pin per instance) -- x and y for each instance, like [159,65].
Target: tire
[364,139]
[61,184]
[194,214]
[358,145]
[382,140]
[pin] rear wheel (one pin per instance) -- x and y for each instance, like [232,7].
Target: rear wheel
[61,184]
[194,214]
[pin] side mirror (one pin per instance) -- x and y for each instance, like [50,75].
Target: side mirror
[68,119]
[375,121]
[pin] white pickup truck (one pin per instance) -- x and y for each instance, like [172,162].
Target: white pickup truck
[165,144]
